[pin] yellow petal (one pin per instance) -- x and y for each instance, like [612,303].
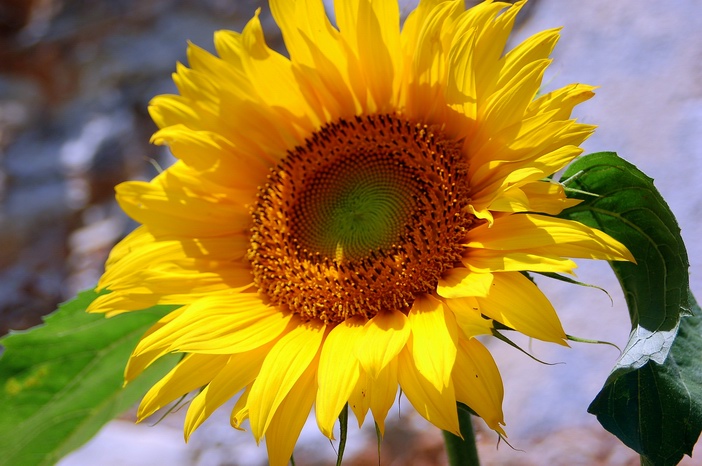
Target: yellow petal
[433,341]
[145,271]
[460,282]
[478,382]
[150,255]
[544,165]
[437,407]
[422,42]
[170,207]
[383,390]
[461,93]
[486,260]
[216,331]
[494,26]
[167,110]
[219,325]
[323,61]
[211,153]
[377,394]
[193,372]
[463,89]
[290,417]
[493,178]
[539,196]
[536,47]
[507,106]
[548,197]
[518,303]
[373,31]
[138,238]
[302,24]
[338,372]
[240,411]
[384,336]
[285,364]
[562,100]
[271,74]
[240,370]
[138,362]
[548,235]
[359,399]
[468,318]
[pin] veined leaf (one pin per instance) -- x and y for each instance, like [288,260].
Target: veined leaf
[60,382]
[652,400]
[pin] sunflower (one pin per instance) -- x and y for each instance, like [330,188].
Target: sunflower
[347,221]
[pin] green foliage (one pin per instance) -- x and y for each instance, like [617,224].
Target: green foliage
[62,381]
[652,400]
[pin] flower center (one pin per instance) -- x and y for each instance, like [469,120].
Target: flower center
[355,205]
[365,216]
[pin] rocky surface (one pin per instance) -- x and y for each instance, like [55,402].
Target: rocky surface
[75,81]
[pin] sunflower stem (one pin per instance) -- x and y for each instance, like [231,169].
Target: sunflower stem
[462,451]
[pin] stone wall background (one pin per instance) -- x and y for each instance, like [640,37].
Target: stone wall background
[75,81]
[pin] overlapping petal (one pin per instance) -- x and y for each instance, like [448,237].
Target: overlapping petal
[290,417]
[240,370]
[478,382]
[193,372]
[283,367]
[384,337]
[547,235]
[518,303]
[433,341]
[436,406]
[375,393]
[339,371]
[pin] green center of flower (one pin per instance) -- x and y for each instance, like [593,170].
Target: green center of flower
[364,217]
[356,205]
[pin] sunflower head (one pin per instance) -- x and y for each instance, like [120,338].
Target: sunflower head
[349,218]
[363,218]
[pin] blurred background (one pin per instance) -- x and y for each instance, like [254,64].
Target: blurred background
[75,81]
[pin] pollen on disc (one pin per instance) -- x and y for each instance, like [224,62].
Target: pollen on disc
[354,205]
[363,217]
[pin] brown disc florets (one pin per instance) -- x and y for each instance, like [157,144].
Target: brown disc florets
[362,218]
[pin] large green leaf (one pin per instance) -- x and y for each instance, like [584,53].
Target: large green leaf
[652,400]
[61,381]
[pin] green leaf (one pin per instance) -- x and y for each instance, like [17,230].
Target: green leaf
[62,381]
[652,398]
[657,409]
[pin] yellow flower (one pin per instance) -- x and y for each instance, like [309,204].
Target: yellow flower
[349,219]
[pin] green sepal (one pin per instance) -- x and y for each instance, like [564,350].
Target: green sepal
[343,433]
[572,281]
[63,380]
